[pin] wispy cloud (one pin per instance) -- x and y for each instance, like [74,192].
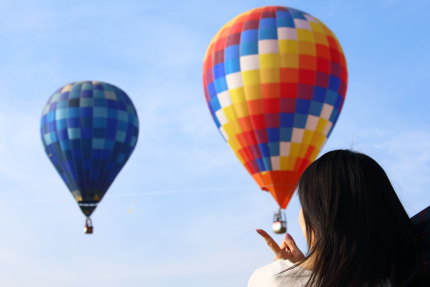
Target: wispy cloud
[194,207]
[402,150]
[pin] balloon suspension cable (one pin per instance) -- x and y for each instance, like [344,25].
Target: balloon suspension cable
[88,226]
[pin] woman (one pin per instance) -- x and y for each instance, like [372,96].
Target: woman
[357,230]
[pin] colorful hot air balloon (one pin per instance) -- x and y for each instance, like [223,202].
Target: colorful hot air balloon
[275,80]
[89,130]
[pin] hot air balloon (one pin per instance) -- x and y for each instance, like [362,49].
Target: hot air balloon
[275,80]
[89,130]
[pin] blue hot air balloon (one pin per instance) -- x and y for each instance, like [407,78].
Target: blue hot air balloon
[89,130]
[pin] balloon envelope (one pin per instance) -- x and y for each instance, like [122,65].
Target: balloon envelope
[89,130]
[275,80]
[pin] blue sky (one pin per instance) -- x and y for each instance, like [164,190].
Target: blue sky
[183,212]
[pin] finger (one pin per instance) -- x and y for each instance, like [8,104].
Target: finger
[289,241]
[284,246]
[292,246]
[272,243]
[286,253]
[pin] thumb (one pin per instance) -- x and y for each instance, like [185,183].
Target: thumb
[291,244]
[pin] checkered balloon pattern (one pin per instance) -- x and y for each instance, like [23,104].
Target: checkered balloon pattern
[275,80]
[89,130]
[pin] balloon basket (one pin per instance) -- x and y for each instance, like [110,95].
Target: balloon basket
[88,228]
[279,225]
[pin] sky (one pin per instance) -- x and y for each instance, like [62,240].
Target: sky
[183,211]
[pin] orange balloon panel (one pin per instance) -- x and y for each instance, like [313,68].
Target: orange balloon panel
[275,80]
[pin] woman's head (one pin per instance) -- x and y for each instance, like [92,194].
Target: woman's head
[357,228]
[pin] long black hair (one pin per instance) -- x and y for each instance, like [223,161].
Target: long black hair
[358,231]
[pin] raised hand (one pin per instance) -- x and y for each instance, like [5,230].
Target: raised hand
[288,249]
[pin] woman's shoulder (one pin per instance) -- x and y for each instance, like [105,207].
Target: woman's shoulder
[279,273]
